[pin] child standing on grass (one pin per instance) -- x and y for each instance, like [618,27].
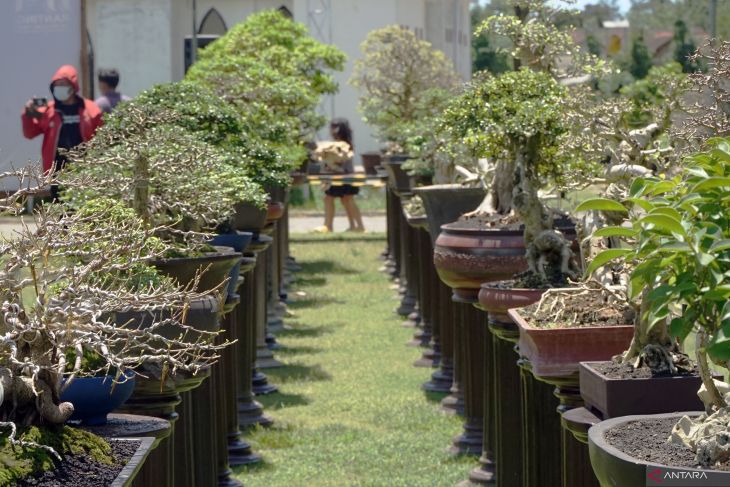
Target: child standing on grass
[341,132]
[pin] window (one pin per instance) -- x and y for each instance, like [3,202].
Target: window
[213,24]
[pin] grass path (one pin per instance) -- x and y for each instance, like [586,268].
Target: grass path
[350,411]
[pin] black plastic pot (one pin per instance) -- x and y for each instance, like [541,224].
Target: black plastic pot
[249,218]
[445,203]
[615,468]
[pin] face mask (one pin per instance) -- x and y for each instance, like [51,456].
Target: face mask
[62,93]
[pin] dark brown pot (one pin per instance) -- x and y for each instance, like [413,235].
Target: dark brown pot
[398,179]
[467,257]
[248,217]
[212,267]
[622,397]
[371,160]
[615,468]
[555,352]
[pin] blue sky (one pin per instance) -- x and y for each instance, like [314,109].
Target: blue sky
[623,4]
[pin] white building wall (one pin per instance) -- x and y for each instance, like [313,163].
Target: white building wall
[134,36]
[144,39]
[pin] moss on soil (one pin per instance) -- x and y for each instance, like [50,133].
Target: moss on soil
[17,462]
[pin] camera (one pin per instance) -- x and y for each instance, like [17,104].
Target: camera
[39,102]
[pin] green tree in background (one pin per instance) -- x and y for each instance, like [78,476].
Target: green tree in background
[684,47]
[640,63]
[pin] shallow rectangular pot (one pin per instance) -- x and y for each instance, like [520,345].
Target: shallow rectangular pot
[556,352]
[133,466]
[623,397]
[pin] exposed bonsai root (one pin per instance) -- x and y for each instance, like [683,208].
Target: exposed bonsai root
[27,444]
[550,249]
[707,435]
[27,401]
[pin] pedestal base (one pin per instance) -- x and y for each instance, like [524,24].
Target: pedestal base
[261,385]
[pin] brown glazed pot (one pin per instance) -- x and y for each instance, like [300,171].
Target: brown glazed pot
[555,352]
[467,257]
[616,468]
[371,160]
[213,267]
[274,212]
[623,397]
[249,218]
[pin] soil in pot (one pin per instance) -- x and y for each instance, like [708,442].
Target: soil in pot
[614,370]
[576,310]
[647,440]
[88,460]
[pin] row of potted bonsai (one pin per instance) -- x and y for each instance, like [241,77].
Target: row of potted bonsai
[151,290]
[597,302]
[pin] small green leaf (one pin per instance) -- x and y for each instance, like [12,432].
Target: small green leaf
[680,328]
[604,257]
[709,183]
[719,347]
[601,204]
[720,245]
[664,222]
[705,259]
[641,203]
[665,210]
[615,232]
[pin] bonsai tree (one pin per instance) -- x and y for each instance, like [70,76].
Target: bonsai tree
[59,283]
[680,260]
[402,80]
[275,73]
[199,110]
[180,193]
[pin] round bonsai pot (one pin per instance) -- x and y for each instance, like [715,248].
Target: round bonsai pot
[371,160]
[555,352]
[616,468]
[213,267]
[466,257]
[248,217]
[95,397]
[238,241]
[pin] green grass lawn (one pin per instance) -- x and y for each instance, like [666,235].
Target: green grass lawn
[350,411]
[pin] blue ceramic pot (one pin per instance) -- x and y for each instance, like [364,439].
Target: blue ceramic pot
[238,241]
[95,397]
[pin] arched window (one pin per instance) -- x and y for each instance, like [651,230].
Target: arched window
[213,24]
[286,12]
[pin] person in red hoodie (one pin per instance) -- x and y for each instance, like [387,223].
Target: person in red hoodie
[65,122]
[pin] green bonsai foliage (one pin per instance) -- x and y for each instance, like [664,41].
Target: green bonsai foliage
[217,122]
[679,253]
[177,183]
[654,98]
[275,73]
[402,80]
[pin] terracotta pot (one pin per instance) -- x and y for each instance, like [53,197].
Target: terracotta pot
[615,468]
[467,257]
[371,160]
[398,179]
[248,217]
[445,203]
[623,397]
[213,268]
[555,352]
[498,301]
[274,212]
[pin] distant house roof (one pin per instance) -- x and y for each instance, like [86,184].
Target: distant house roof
[615,24]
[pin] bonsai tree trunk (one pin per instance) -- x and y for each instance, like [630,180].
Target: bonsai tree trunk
[548,252]
[499,198]
[141,188]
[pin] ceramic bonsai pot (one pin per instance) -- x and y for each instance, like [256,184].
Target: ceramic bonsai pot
[95,397]
[623,397]
[274,211]
[213,268]
[445,203]
[553,355]
[371,160]
[248,217]
[616,468]
[465,257]
[556,352]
